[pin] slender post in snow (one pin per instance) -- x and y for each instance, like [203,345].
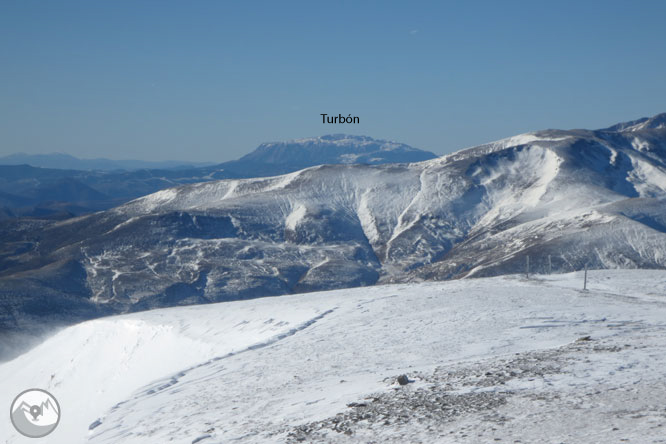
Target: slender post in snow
[527,267]
[585,279]
[550,265]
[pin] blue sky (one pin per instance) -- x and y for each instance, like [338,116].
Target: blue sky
[210,80]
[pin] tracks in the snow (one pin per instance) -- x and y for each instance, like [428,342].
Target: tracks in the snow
[166,383]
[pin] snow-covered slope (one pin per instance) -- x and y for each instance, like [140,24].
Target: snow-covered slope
[563,198]
[498,358]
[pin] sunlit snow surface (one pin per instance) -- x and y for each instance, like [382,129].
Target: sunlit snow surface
[253,371]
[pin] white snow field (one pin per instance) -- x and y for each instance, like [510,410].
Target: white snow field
[500,359]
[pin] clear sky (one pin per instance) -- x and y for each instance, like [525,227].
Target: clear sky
[210,80]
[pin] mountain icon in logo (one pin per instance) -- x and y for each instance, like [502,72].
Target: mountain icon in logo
[35,413]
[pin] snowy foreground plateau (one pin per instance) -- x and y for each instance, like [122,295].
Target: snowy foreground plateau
[501,359]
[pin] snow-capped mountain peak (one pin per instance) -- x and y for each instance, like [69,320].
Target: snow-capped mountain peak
[336,149]
[645,123]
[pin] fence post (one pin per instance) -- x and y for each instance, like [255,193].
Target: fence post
[585,279]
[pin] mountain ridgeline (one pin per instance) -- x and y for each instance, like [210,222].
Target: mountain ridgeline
[85,186]
[566,199]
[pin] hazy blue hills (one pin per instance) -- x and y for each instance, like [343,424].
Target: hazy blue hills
[66,161]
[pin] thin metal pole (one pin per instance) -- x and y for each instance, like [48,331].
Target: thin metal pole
[585,279]
[550,265]
[527,267]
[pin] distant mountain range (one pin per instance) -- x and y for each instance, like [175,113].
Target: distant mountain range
[66,161]
[566,199]
[26,190]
